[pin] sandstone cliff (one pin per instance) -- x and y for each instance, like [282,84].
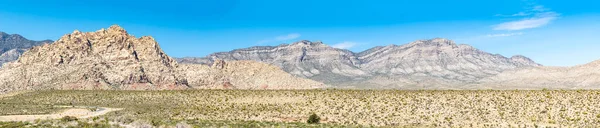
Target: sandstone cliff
[105,59]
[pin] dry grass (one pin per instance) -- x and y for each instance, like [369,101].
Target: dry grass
[335,107]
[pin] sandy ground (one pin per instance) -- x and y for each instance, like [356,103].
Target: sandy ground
[268,100]
[79,112]
[13,93]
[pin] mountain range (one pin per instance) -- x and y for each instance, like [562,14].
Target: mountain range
[435,63]
[113,59]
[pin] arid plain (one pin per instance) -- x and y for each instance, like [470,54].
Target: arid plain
[336,108]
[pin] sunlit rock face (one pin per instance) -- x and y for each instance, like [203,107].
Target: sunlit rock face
[434,63]
[105,59]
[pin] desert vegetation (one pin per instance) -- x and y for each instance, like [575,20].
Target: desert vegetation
[335,108]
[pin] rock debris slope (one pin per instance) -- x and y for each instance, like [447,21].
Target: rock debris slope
[13,45]
[435,63]
[113,59]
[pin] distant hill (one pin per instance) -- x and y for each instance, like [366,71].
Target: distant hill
[586,76]
[13,45]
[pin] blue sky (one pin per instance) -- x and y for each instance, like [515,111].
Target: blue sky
[551,32]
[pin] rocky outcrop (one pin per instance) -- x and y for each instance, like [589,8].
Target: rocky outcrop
[13,45]
[435,63]
[113,59]
[105,59]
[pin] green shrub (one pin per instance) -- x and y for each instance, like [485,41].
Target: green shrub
[69,119]
[313,119]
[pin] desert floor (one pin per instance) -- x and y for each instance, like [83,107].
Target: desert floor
[291,108]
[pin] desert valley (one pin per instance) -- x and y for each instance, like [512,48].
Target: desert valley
[109,78]
[112,59]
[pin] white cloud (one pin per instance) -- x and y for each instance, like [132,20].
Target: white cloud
[539,8]
[535,17]
[287,37]
[344,45]
[505,34]
[515,15]
[524,24]
[521,14]
[290,36]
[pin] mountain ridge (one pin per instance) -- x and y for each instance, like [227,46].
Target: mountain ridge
[320,62]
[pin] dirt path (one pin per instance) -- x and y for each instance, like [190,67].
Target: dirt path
[79,112]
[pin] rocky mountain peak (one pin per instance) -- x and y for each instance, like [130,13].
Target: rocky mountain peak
[16,37]
[433,42]
[520,59]
[3,35]
[302,42]
[76,32]
[108,57]
[116,29]
[6,36]
[111,44]
[307,43]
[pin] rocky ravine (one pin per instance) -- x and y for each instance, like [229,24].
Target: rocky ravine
[13,45]
[113,59]
[435,64]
